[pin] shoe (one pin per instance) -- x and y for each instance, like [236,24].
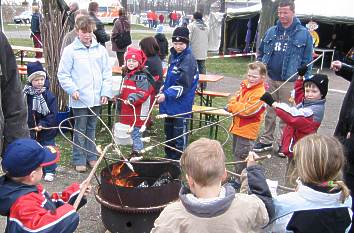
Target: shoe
[259,147]
[80,168]
[49,177]
[92,163]
[280,153]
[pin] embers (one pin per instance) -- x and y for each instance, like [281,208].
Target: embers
[121,178]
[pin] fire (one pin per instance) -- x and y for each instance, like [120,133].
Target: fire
[120,180]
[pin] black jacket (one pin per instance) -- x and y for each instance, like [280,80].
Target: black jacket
[163,44]
[100,33]
[13,111]
[154,66]
[346,117]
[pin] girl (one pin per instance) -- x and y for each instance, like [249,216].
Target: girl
[321,203]
[137,90]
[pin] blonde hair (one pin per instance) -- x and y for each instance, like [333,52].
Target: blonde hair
[85,23]
[319,159]
[257,65]
[204,161]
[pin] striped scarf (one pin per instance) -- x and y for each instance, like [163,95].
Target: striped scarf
[39,105]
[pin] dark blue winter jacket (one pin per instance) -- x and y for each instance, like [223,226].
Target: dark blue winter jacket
[180,84]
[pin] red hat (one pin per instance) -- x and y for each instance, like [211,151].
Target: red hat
[135,54]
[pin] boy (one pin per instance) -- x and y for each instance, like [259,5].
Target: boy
[42,111]
[246,124]
[177,94]
[306,117]
[137,90]
[24,201]
[86,76]
[207,206]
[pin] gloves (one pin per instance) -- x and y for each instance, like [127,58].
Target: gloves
[267,98]
[302,70]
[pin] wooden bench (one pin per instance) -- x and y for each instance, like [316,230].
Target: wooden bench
[209,95]
[213,115]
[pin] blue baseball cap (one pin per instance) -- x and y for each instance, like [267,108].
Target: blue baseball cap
[23,156]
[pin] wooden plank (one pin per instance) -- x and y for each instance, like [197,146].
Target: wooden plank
[210,110]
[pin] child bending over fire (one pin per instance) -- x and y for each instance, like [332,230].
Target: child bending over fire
[137,91]
[207,206]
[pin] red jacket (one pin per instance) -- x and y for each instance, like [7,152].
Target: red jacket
[302,120]
[139,91]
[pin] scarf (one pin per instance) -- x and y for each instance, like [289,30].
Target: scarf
[39,105]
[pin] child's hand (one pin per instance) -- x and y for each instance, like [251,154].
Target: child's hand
[88,188]
[75,95]
[160,98]
[251,159]
[104,100]
[127,101]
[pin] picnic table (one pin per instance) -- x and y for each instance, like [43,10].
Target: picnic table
[22,49]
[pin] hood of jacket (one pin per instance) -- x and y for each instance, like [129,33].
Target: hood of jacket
[10,191]
[213,208]
[200,24]
[77,44]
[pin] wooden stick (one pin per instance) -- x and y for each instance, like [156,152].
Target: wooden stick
[278,186]
[143,127]
[256,159]
[89,178]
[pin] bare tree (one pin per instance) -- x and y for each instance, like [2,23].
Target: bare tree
[53,29]
[266,18]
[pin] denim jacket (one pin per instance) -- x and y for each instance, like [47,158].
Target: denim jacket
[298,53]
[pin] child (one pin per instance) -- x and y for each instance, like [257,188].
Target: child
[207,206]
[24,201]
[137,89]
[246,124]
[86,76]
[320,203]
[306,117]
[177,95]
[42,111]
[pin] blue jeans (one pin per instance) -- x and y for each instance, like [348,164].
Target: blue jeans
[138,145]
[173,128]
[87,126]
[51,168]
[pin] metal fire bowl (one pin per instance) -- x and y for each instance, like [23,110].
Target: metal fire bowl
[150,197]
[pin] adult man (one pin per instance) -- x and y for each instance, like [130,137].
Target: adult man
[284,48]
[13,112]
[198,37]
[73,7]
[100,33]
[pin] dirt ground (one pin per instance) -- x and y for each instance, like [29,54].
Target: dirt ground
[90,219]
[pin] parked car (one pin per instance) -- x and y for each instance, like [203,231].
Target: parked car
[24,17]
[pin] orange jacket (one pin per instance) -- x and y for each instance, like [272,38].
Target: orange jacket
[247,123]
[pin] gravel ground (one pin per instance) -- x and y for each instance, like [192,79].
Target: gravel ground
[275,167]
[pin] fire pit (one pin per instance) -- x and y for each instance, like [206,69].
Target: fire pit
[131,201]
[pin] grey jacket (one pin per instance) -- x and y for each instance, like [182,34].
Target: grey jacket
[13,111]
[198,38]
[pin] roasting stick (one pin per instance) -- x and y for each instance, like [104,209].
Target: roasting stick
[279,186]
[244,161]
[143,127]
[89,178]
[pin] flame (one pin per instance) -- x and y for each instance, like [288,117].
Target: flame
[122,181]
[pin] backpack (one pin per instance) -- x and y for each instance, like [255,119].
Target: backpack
[123,39]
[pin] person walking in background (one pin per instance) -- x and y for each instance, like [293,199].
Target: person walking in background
[101,36]
[13,111]
[85,75]
[161,18]
[36,30]
[198,37]
[284,48]
[73,7]
[120,25]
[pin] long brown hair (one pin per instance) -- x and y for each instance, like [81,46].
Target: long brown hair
[150,46]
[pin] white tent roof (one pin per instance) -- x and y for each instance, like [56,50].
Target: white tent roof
[339,11]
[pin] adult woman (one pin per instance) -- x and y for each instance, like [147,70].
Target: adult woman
[120,25]
[153,63]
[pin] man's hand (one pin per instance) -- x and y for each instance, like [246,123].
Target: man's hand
[75,95]
[336,65]
[267,98]
[104,99]
[160,98]
[302,70]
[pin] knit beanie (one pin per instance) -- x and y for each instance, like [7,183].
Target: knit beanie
[34,69]
[181,34]
[135,54]
[321,81]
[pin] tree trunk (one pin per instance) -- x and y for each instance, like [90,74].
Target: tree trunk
[266,18]
[53,31]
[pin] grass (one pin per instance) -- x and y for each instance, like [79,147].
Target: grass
[16,27]
[139,36]
[230,67]
[21,42]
